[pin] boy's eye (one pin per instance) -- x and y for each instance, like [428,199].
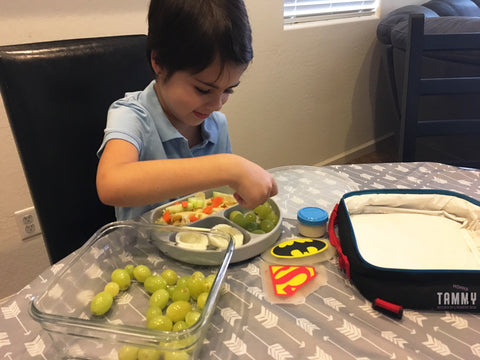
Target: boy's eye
[202,91]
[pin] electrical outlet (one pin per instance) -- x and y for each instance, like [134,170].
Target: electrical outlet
[27,222]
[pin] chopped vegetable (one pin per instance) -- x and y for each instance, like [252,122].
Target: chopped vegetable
[193,218]
[166,216]
[208,209]
[198,203]
[194,208]
[217,201]
[176,208]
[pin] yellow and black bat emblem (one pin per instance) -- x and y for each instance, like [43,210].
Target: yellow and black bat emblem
[297,248]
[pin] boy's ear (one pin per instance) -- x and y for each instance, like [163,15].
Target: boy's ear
[155,66]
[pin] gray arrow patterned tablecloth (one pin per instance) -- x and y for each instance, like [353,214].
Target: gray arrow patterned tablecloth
[334,322]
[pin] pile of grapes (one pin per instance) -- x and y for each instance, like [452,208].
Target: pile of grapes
[175,304]
[260,220]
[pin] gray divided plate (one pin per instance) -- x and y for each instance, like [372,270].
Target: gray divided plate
[253,244]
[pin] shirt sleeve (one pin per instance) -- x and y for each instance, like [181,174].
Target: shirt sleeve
[125,121]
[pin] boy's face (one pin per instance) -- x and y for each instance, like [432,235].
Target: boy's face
[188,99]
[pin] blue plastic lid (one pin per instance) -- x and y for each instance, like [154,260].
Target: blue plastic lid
[312,216]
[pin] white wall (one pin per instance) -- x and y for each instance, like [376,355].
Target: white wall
[307,98]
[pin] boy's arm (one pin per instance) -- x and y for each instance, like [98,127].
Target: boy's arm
[122,180]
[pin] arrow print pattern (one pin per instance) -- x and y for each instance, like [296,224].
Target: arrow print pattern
[437,346]
[236,346]
[334,322]
[230,315]
[4,340]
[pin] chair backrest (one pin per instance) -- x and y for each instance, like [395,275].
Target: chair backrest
[56,96]
[416,86]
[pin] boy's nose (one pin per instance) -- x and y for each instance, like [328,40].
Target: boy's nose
[218,101]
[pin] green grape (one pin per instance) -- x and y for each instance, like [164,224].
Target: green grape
[141,273]
[198,275]
[160,298]
[251,216]
[192,317]
[273,218]
[160,322]
[153,311]
[173,344]
[251,226]
[129,269]
[121,277]
[128,353]
[258,231]
[266,225]
[154,283]
[176,355]
[170,276]
[196,286]
[202,299]
[149,354]
[262,211]
[101,303]
[182,281]
[171,289]
[209,280]
[112,288]
[181,293]
[177,310]
[234,213]
[240,220]
[179,325]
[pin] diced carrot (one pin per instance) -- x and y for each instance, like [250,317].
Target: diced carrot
[193,218]
[184,204]
[216,201]
[167,217]
[208,209]
[177,203]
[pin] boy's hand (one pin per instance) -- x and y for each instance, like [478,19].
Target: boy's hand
[253,185]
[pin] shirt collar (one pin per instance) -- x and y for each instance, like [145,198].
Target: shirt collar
[164,127]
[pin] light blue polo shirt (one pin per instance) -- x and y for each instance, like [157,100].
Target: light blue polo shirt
[139,119]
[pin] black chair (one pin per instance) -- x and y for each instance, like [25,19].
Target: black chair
[56,96]
[417,87]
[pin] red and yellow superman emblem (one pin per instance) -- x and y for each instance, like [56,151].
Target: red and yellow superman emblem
[287,280]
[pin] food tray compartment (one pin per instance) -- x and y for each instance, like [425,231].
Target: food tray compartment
[63,309]
[157,213]
[253,245]
[211,221]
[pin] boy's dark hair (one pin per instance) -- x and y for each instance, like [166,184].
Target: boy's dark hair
[190,34]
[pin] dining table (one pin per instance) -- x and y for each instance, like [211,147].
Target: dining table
[334,321]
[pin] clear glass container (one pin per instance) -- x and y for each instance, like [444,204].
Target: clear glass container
[63,309]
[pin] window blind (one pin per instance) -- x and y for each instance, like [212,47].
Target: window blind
[309,10]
